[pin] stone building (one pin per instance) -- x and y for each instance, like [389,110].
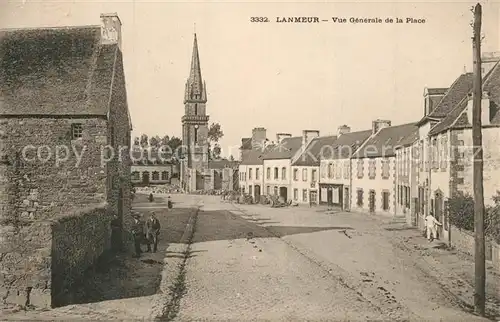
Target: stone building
[251,167]
[64,139]
[373,168]
[151,167]
[447,165]
[305,170]
[335,167]
[278,162]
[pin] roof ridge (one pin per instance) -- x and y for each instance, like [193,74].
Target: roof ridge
[14,29]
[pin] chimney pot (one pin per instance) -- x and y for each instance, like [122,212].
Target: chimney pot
[111,26]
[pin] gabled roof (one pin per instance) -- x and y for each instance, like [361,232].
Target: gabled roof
[311,154]
[346,145]
[409,139]
[460,87]
[385,141]
[56,71]
[222,163]
[286,149]
[456,118]
[253,157]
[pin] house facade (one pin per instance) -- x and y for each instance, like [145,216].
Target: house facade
[335,168]
[305,170]
[278,162]
[373,168]
[251,166]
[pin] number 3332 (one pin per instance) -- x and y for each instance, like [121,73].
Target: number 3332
[259,19]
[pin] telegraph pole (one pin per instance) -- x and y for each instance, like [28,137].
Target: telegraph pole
[477,142]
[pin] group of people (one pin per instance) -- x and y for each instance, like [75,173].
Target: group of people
[145,231]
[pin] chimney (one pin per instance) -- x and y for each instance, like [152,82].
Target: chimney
[111,29]
[485,109]
[379,124]
[432,97]
[308,136]
[258,137]
[281,136]
[488,60]
[343,129]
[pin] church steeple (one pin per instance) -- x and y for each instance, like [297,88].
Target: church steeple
[195,86]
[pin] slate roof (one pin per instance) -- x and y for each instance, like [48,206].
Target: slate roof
[55,71]
[436,91]
[284,150]
[383,143]
[149,155]
[254,157]
[456,118]
[460,87]
[311,155]
[346,145]
[409,139]
[246,144]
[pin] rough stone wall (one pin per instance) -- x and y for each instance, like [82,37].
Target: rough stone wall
[78,241]
[119,184]
[463,240]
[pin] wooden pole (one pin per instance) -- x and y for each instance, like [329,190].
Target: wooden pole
[480,271]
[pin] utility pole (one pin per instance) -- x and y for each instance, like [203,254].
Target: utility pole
[477,142]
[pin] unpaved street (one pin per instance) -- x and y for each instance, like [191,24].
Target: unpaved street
[223,261]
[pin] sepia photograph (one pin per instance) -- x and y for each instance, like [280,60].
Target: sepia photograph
[249,160]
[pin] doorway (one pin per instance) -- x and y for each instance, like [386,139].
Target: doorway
[145,178]
[257,193]
[284,193]
[347,198]
[371,201]
[438,210]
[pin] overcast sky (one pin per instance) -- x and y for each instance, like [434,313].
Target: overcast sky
[284,77]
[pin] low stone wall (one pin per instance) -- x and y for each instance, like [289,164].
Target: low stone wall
[78,241]
[41,260]
[495,256]
[463,241]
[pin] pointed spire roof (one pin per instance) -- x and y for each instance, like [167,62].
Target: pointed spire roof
[195,87]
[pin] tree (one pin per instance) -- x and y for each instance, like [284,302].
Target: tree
[144,140]
[214,135]
[155,141]
[174,143]
[137,141]
[165,139]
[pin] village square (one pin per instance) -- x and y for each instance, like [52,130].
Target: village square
[100,221]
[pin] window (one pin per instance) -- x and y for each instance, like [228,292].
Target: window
[76,130]
[322,170]
[360,168]
[330,170]
[296,194]
[444,149]
[304,195]
[313,175]
[314,197]
[435,161]
[385,200]
[338,170]
[346,169]
[268,190]
[257,174]
[359,199]
[135,175]
[164,175]
[296,174]
[385,169]
[275,173]
[195,109]
[408,197]
[195,135]
[283,173]
[421,155]
[304,174]
[268,173]
[250,174]
[275,190]
[371,168]
[156,175]
[250,190]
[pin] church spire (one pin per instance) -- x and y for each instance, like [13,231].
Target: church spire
[195,87]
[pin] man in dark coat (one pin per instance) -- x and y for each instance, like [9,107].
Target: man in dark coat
[152,228]
[137,234]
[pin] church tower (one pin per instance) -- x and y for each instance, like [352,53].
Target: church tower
[195,170]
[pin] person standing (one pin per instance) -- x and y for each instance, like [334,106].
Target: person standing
[137,234]
[152,231]
[431,224]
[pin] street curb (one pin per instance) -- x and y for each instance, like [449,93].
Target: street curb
[172,288]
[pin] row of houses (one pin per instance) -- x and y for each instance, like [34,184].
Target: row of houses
[408,170]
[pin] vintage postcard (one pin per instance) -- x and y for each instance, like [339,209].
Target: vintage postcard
[249,160]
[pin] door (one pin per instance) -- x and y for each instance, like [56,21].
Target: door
[335,195]
[329,196]
[438,211]
[257,193]
[313,197]
[145,178]
[371,200]
[284,193]
[346,198]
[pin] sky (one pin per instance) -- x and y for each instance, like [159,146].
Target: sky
[283,77]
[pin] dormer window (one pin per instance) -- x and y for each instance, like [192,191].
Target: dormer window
[76,131]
